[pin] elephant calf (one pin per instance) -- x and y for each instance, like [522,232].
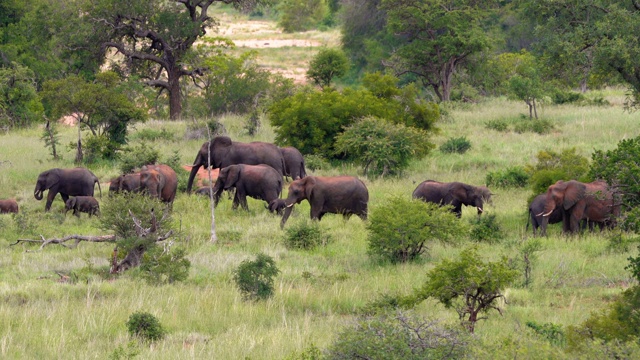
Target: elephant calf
[86,204]
[455,194]
[8,206]
[260,182]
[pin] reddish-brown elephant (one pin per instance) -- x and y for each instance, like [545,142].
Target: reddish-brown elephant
[160,181]
[455,194]
[8,206]
[125,183]
[593,202]
[260,182]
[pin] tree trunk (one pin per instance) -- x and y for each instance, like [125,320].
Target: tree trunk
[535,111]
[79,156]
[175,102]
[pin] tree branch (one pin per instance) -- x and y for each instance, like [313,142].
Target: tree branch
[61,241]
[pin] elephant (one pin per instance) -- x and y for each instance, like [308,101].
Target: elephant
[86,204]
[539,221]
[293,163]
[453,193]
[160,181]
[205,190]
[257,181]
[578,201]
[344,195]
[125,183]
[277,206]
[225,152]
[8,206]
[68,182]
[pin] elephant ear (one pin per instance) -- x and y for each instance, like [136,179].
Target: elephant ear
[52,179]
[573,193]
[309,184]
[233,175]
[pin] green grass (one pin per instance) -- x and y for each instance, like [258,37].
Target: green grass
[318,291]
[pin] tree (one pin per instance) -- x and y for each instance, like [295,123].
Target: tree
[595,36]
[469,285]
[19,102]
[154,38]
[301,15]
[327,65]
[524,78]
[435,37]
[364,37]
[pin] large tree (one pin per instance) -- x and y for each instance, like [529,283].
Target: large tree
[436,36]
[153,38]
[590,37]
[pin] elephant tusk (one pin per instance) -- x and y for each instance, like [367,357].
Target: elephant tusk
[545,215]
[290,205]
[480,209]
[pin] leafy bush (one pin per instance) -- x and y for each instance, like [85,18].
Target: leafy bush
[99,147]
[401,230]
[134,157]
[535,126]
[305,235]
[511,177]
[553,166]
[315,162]
[153,135]
[566,97]
[301,15]
[549,331]
[19,101]
[254,278]
[458,145]
[382,148]
[145,326]
[497,125]
[400,335]
[326,65]
[486,229]
[164,265]
[114,213]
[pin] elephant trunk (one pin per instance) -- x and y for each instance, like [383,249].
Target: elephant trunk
[480,210]
[192,175]
[287,212]
[548,209]
[38,193]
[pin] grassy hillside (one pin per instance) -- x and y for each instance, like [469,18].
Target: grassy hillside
[317,291]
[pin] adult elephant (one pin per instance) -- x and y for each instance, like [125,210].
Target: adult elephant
[260,182]
[225,152]
[293,163]
[344,195]
[537,220]
[160,181]
[592,202]
[8,206]
[125,183]
[453,193]
[68,182]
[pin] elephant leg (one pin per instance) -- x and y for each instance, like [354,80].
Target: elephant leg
[50,196]
[316,212]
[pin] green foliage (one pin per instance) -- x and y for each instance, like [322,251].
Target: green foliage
[459,145]
[20,104]
[528,251]
[254,278]
[114,214]
[134,157]
[364,37]
[497,125]
[515,176]
[386,303]
[326,65]
[310,353]
[153,135]
[99,147]
[301,15]
[486,229]
[566,97]
[145,326]
[252,124]
[401,230]
[130,352]
[468,284]
[395,336]
[537,126]
[382,148]
[51,138]
[634,266]
[165,265]
[315,162]
[549,331]
[553,166]
[305,235]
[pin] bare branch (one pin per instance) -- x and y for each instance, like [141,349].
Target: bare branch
[61,241]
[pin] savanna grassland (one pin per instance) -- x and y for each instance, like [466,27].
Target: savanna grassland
[317,292]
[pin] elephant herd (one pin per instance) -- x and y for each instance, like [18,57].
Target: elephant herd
[257,169]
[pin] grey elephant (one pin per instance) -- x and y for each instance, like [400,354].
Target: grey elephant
[293,163]
[8,206]
[85,204]
[537,220]
[225,152]
[204,190]
[67,182]
[125,183]
[344,195]
[260,182]
[455,194]
[159,181]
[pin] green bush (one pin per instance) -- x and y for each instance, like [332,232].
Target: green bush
[315,162]
[164,265]
[566,97]
[382,148]
[134,157]
[254,278]
[497,125]
[99,147]
[458,145]
[553,166]
[486,229]
[305,235]
[326,65]
[114,213]
[145,326]
[535,126]
[400,335]
[301,15]
[153,135]
[401,230]
[549,331]
[511,177]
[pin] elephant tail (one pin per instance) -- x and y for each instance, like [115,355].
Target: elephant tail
[528,221]
[303,171]
[99,188]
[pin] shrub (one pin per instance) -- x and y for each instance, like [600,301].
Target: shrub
[164,265]
[315,162]
[153,135]
[535,126]
[486,229]
[401,230]
[305,236]
[254,278]
[458,145]
[114,213]
[326,65]
[566,97]
[99,147]
[145,326]
[511,177]
[380,147]
[549,331]
[137,156]
[301,15]
[553,166]
[400,335]
[497,125]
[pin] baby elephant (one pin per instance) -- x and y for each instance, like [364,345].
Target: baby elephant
[86,204]
[8,206]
